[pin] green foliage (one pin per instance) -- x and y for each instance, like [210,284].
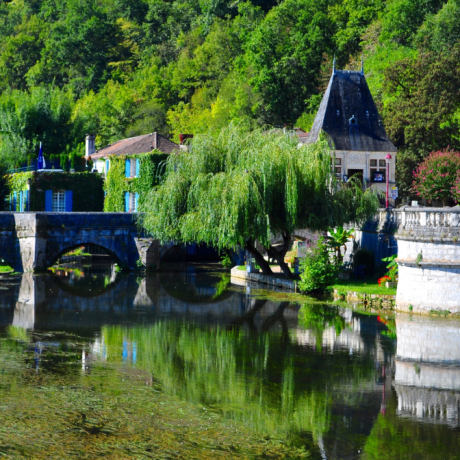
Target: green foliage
[121,68]
[117,184]
[4,188]
[337,239]
[87,188]
[317,272]
[226,261]
[431,81]
[241,186]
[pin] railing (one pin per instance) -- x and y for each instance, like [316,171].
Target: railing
[34,168]
[409,217]
[21,170]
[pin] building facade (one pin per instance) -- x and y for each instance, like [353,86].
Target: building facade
[124,164]
[349,118]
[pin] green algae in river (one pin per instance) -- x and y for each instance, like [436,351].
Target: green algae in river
[110,411]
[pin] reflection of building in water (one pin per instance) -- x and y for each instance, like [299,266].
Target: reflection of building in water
[353,338]
[427,378]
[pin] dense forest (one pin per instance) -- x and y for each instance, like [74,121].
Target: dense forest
[120,68]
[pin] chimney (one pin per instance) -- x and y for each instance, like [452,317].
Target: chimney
[183,137]
[90,144]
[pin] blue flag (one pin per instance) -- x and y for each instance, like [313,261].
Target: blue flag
[41,160]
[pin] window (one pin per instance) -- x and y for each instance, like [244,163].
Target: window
[377,175]
[59,201]
[373,163]
[338,161]
[131,202]
[382,164]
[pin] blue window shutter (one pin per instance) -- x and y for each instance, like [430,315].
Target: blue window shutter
[128,168]
[126,201]
[20,202]
[68,201]
[15,201]
[48,201]
[27,205]
[138,165]
[136,200]
[107,166]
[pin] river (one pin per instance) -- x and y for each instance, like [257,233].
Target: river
[181,364]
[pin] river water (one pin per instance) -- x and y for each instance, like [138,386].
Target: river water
[182,364]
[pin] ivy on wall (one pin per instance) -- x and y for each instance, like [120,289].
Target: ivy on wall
[87,188]
[116,184]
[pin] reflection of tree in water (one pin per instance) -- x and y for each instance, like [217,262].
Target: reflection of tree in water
[85,280]
[266,380]
[319,317]
[196,286]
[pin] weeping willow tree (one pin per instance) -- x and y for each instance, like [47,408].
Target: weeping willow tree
[243,186]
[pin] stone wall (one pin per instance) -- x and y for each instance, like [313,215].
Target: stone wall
[429,259]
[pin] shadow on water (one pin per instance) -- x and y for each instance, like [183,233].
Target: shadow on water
[316,377]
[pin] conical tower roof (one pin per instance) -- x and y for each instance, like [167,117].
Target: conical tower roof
[348,115]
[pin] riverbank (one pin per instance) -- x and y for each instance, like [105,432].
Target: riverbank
[241,277]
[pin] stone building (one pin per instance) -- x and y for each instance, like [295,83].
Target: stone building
[128,150]
[131,146]
[350,119]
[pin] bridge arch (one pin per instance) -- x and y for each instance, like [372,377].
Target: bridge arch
[54,258]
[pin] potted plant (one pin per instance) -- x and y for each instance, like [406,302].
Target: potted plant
[391,276]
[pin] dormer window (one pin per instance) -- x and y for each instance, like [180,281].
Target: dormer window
[353,120]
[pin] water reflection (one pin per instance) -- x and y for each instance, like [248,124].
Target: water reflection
[427,378]
[326,378]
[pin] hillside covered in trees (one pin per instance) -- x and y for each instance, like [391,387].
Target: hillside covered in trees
[120,68]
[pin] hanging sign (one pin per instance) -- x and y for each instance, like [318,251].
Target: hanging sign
[394,192]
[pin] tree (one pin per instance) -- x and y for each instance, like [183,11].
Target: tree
[421,115]
[242,186]
[285,53]
[435,177]
[4,189]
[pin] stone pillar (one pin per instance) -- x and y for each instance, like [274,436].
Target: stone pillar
[148,249]
[31,232]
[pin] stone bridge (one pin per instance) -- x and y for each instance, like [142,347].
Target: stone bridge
[33,241]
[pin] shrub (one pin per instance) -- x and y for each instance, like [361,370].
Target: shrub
[436,177]
[364,257]
[318,273]
[226,261]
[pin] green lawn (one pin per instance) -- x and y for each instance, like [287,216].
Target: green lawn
[366,286]
[4,268]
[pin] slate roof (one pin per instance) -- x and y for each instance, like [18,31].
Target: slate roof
[349,116]
[139,144]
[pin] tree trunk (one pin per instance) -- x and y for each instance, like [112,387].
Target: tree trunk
[263,264]
[280,255]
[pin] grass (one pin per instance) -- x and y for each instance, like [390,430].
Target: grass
[366,286]
[5,268]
